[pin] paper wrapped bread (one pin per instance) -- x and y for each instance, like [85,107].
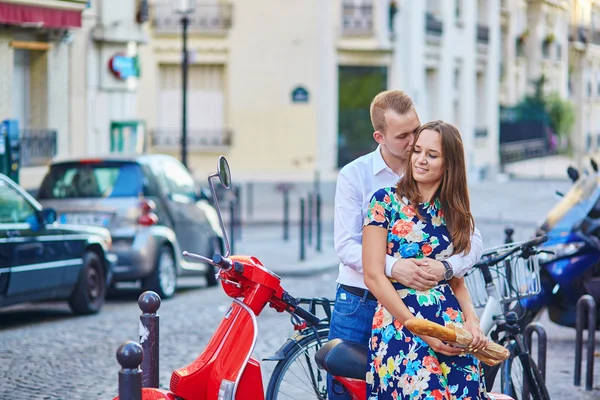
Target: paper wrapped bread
[456,336]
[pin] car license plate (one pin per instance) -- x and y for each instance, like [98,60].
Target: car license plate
[85,219]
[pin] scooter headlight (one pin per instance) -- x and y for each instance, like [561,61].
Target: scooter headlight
[559,250]
[226,390]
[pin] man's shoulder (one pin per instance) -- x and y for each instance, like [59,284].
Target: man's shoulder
[361,164]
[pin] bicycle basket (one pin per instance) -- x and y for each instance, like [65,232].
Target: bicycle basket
[514,278]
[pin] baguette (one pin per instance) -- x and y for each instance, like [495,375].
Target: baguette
[456,336]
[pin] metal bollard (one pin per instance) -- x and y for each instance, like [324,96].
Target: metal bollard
[149,303]
[318,222]
[508,234]
[541,353]
[302,245]
[250,198]
[310,218]
[238,212]
[129,356]
[286,214]
[232,225]
[585,301]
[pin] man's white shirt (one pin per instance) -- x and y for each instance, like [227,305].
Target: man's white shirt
[356,183]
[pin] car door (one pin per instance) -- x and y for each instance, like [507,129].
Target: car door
[189,222]
[4,262]
[33,264]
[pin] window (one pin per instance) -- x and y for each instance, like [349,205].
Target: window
[179,181]
[92,180]
[14,209]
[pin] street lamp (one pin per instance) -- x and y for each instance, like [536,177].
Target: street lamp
[185,8]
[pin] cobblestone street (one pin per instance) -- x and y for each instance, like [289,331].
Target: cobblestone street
[46,353]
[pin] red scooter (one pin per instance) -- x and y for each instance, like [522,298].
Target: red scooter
[226,369]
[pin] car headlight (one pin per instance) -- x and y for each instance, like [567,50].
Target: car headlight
[559,250]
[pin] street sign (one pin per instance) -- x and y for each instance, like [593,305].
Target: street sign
[300,95]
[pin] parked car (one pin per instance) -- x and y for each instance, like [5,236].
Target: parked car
[152,207]
[43,260]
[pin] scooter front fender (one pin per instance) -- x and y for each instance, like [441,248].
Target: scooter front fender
[222,363]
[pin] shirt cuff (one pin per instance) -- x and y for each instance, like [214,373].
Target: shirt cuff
[389,264]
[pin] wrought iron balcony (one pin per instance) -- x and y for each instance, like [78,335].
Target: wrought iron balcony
[38,146]
[579,33]
[433,26]
[483,34]
[206,18]
[196,139]
[357,19]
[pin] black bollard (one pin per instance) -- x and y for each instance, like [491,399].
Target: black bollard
[250,198]
[318,222]
[585,301]
[129,356]
[309,218]
[508,234]
[149,303]
[286,214]
[302,249]
[238,212]
[232,225]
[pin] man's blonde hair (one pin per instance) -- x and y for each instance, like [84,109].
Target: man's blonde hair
[395,100]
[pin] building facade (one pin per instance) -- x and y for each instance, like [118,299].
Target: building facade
[34,78]
[285,87]
[559,39]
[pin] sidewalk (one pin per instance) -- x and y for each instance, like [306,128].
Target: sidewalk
[283,257]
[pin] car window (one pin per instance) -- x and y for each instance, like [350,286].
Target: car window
[14,209]
[104,179]
[178,180]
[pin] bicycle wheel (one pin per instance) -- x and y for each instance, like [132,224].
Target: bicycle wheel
[521,378]
[297,375]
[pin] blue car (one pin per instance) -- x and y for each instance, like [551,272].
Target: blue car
[43,260]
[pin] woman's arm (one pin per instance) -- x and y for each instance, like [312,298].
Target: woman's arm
[374,249]
[471,319]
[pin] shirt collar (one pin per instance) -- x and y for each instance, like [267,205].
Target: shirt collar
[378,161]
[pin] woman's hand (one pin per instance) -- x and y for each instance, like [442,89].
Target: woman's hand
[480,341]
[440,347]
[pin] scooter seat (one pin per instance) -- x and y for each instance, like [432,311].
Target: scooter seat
[343,358]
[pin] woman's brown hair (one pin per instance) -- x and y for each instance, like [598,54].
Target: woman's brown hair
[453,192]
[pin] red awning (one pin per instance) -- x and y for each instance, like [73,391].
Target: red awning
[18,14]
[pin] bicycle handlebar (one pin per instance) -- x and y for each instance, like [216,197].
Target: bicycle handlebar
[310,318]
[530,244]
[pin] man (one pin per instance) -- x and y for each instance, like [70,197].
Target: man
[395,121]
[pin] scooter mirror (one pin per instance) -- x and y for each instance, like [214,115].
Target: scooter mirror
[224,172]
[573,174]
[594,165]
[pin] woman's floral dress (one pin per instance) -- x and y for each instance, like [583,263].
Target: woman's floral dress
[401,365]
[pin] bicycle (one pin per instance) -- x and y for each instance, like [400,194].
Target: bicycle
[296,357]
[509,273]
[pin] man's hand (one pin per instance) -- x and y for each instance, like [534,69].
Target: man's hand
[440,347]
[411,273]
[436,268]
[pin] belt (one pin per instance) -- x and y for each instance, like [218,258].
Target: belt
[358,292]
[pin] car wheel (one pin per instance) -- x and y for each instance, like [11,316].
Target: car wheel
[214,247]
[163,280]
[90,290]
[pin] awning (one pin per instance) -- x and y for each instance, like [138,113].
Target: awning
[42,17]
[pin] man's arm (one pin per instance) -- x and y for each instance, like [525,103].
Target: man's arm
[462,263]
[348,222]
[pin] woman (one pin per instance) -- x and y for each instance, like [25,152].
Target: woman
[427,215]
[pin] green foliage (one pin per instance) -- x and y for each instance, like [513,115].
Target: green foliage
[562,114]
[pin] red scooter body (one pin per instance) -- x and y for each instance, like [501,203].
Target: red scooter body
[226,363]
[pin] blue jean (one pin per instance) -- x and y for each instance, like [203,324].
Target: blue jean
[352,320]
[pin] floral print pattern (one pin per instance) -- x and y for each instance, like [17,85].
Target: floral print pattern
[401,365]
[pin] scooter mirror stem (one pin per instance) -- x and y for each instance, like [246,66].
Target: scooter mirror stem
[201,258]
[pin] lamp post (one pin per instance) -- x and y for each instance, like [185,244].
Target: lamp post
[184,7]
